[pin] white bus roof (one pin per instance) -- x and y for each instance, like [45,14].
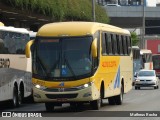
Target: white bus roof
[32,34]
[142,51]
[135,47]
[13,29]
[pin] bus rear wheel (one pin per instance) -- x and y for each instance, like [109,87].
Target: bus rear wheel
[15,102]
[119,98]
[111,101]
[49,107]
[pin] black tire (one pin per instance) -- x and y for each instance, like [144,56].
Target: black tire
[136,88]
[119,98]
[76,106]
[96,104]
[49,107]
[111,101]
[20,97]
[14,101]
[155,87]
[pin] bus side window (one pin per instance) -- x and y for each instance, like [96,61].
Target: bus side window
[127,45]
[115,43]
[124,45]
[118,45]
[112,44]
[104,44]
[108,44]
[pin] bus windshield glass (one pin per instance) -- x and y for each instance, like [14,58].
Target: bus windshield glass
[156,62]
[13,42]
[59,58]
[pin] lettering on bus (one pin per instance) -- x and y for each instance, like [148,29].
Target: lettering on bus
[4,63]
[109,64]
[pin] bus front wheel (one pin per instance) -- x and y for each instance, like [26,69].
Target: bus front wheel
[96,104]
[49,107]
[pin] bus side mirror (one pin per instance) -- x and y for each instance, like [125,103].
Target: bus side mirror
[28,48]
[94,48]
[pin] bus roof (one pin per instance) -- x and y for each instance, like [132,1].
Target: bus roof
[135,47]
[13,29]
[32,34]
[156,55]
[142,51]
[77,29]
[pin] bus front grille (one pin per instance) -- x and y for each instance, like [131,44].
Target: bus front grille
[56,96]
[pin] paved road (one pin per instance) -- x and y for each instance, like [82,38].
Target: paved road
[137,102]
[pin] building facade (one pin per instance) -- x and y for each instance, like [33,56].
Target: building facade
[149,3]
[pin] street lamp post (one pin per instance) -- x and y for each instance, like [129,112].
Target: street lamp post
[143,26]
[93,10]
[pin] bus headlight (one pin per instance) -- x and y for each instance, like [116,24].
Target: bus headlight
[85,85]
[40,87]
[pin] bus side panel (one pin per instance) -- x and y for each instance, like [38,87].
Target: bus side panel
[107,72]
[15,72]
[126,66]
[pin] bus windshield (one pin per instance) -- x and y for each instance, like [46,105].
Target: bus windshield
[62,57]
[156,62]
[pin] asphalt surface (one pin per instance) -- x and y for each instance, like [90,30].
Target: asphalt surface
[141,104]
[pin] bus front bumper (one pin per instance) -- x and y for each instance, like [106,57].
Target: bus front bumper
[65,95]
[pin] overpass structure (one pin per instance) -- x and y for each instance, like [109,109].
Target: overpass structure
[132,17]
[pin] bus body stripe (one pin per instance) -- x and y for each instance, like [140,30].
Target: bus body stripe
[117,80]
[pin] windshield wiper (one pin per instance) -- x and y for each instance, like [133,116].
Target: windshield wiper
[70,68]
[55,64]
[41,64]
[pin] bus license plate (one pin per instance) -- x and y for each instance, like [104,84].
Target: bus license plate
[61,99]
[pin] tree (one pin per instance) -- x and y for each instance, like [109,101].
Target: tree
[135,39]
[61,10]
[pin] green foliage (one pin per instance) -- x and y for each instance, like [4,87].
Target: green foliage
[135,39]
[62,10]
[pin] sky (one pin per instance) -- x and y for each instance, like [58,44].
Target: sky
[158,1]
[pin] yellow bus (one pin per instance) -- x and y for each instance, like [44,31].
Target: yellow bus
[78,62]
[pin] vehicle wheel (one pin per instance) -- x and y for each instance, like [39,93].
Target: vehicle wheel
[20,98]
[49,107]
[15,102]
[96,104]
[111,101]
[155,87]
[119,98]
[76,106]
[136,88]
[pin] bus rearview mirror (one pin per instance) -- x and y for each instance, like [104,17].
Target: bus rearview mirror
[94,48]
[28,48]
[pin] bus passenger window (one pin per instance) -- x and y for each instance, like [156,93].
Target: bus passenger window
[108,44]
[127,45]
[118,45]
[124,45]
[115,43]
[104,52]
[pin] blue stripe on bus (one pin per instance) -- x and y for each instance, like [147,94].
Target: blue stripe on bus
[117,81]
